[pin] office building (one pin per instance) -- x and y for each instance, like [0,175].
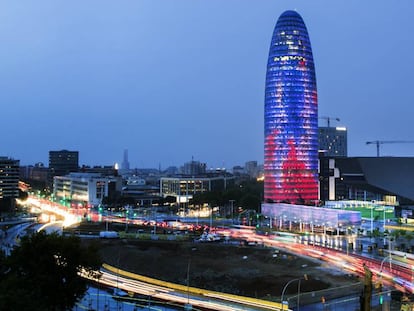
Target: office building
[36,173]
[136,187]
[183,187]
[194,168]
[63,162]
[84,189]
[290,115]
[333,141]
[251,169]
[388,180]
[9,183]
[106,170]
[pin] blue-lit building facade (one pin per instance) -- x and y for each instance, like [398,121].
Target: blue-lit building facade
[290,115]
[311,216]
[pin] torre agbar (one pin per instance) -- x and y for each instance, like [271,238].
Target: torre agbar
[291,115]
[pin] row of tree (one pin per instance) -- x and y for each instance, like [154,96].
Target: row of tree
[248,195]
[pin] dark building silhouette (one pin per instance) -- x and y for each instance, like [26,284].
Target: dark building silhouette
[9,183]
[63,162]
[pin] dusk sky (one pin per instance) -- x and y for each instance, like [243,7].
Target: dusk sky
[171,80]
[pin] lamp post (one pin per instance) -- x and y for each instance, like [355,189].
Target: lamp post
[372,220]
[188,306]
[387,237]
[211,217]
[285,287]
[126,218]
[382,262]
[232,212]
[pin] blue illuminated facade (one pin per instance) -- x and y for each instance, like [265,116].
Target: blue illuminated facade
[291,115]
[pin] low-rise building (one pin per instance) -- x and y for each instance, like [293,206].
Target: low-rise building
[84,189]
[183,187]
[382,179]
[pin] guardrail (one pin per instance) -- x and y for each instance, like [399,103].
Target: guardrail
[264,304]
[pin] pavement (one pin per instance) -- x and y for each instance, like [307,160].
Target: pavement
[10,237]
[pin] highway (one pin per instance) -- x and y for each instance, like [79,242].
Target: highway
[207,300]
[396,271]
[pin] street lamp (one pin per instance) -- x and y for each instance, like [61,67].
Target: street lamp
[188,306]
[232,213]
[285,287]
[372,220]
[382,262]
[389,251]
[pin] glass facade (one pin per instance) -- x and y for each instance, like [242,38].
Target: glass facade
[318,216]
[291,115]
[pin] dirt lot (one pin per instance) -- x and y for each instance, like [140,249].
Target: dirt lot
[253,271]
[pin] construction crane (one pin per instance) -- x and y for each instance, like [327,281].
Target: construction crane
[380,142]
[328,120]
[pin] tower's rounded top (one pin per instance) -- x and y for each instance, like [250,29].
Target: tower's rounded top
[290,13]
[291,16]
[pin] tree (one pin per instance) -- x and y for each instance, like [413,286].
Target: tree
[250,201]
[247,194]
[43,273]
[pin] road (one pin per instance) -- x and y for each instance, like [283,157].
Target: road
[207,300]
[11,237]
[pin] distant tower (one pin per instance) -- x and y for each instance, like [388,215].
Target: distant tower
[125,163]
[291,115]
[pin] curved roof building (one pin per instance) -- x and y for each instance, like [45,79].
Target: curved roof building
[291,115]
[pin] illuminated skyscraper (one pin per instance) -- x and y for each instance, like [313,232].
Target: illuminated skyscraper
[291,115]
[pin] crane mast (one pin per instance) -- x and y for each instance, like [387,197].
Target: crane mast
[380,142]
[328,120]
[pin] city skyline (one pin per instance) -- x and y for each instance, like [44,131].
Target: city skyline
[174,80]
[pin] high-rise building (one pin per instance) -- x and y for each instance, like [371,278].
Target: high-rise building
[125,162]
[333,141]
[251,169]
[291,115]
[9,183]
[63,162]
[9,177]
